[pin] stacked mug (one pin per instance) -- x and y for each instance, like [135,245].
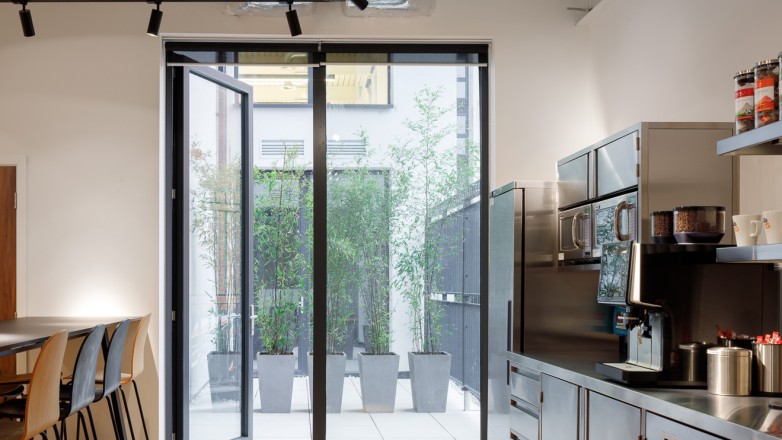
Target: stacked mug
[748,227]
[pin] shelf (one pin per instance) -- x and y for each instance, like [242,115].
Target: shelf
[765,253]
[763,140]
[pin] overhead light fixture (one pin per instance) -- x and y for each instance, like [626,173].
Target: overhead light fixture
[293,20]
[361,4]
[27,21]
[155,18]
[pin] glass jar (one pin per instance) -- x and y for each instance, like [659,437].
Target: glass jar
[766,92]
[662,227]
[698,224]
[745,100]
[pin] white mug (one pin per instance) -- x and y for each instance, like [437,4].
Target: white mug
[772,226]
[746,228]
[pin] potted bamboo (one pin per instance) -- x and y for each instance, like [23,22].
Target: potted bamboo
[216,223]
[283,204]
[427,184]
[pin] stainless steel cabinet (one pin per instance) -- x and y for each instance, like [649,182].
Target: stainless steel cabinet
[610,419]
[558,409]
[660,428]
[524,403]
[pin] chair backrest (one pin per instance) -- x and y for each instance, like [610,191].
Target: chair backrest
[43,398]
[112,371]
[137,364]
[83,383]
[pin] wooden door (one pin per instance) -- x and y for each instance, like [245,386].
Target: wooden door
[7,255]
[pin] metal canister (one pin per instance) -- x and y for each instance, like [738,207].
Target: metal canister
[693,361]
[768,367]
[729,371]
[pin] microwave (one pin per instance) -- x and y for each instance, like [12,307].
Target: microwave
[575,233]
[614,220]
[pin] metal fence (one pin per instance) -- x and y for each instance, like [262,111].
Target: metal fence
[459,285]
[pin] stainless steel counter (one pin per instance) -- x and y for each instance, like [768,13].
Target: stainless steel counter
[729,417]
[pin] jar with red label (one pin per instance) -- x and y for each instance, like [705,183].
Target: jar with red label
[745,100]
[766,92]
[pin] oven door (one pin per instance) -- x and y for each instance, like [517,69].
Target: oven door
[575,232]
[613,220]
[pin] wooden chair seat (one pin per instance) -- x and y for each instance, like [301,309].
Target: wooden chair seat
[124,379]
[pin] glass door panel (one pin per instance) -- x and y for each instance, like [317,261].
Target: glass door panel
[216,129]
[403,251]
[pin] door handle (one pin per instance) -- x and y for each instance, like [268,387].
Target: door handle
[510,325]
[578,242]
[618,221]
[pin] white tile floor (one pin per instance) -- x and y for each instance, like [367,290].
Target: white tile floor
[207,422]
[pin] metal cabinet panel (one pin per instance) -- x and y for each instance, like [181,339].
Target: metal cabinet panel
[616,167]
[559,409]
[610,419]
[525,385]
[573,180]
[660,428]
[524,420]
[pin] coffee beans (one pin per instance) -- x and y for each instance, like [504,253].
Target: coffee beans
[699,219]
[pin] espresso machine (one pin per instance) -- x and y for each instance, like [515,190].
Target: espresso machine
[668,294]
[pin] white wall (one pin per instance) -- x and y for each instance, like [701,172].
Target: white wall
[81,101]
[672,60]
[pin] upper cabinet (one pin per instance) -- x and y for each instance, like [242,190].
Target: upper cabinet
[763,140]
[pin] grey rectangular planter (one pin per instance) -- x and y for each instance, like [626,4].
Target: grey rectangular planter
[378,376]
[335,380]
[224,376]
[429,377]
[275,374]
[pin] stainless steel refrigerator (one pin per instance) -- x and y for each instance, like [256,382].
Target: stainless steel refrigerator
[522,250]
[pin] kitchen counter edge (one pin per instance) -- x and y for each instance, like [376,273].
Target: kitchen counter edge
[726,416]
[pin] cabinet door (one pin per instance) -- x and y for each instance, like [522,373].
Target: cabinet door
[610,419]
[660,428]
[559,409]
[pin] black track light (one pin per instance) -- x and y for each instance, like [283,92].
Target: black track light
[361,4]
[293,20]
[155,18]
[27,21]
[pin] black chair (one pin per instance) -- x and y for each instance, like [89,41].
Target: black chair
[79,393]
[112,374]
[76,395]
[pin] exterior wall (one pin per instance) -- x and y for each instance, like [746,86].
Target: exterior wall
[82,102]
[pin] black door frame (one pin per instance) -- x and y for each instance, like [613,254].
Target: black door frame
[177,243]
[176,240]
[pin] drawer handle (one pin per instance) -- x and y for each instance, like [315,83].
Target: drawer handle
[523,409]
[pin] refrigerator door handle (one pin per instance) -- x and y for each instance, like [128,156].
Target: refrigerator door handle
[510,324]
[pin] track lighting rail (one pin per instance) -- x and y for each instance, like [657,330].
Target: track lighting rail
[156,16]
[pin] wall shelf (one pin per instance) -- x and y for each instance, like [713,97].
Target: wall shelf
[763,140]
[764,253]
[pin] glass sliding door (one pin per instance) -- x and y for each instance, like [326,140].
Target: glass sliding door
[332,238]
[215,153]
[403,305]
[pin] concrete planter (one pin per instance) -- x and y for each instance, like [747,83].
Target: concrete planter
[378,377]
[224,376]
[429,377]
[275,374]
[335,380]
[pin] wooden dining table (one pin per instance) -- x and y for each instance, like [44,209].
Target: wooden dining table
[22,334]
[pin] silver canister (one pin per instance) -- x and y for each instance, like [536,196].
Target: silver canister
[729,371]
[693,361]
[768,367]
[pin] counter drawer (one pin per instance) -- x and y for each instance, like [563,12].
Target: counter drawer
[525,384]
[524,420]
[660,428]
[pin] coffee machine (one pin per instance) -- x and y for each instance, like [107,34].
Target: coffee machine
[668,294]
